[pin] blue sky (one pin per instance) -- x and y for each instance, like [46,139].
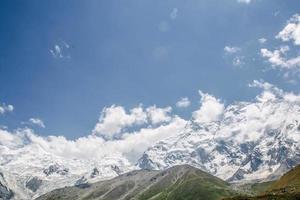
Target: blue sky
[64,61]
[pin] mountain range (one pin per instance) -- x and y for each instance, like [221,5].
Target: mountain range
[250,142]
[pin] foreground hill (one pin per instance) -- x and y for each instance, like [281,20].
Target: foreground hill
[179,182]
[289,182]
[286,188]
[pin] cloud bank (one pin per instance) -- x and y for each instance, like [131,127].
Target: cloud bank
[112,135]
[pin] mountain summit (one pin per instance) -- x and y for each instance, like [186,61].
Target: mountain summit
[251,141]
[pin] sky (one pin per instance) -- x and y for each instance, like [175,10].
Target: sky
[75,68]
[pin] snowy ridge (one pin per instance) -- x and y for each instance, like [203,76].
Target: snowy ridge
[32,171]
[251,141]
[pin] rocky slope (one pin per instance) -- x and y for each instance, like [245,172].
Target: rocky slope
[180,182]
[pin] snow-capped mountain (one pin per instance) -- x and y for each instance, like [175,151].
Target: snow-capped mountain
[30,171]
[249,141]
[244,141]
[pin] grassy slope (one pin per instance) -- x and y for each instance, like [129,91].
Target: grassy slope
[289,182]
[286,188]
[193,184]
[177,183]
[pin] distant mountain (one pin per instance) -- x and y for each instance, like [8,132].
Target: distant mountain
[250,142]
[180,182]
[30,171]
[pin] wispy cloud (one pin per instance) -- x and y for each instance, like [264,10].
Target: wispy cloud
[183,102]
[231,49]
[6,108]
[262,40]
[35,122]
[244,1]
[173,14]
[60,50]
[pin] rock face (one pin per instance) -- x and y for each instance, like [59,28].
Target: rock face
[33,184]
[94,173]
[5,192]
[250,141]
[56,168]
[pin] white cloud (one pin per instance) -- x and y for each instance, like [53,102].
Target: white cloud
[231,49]
[244,1]
[273,93]
[291,31]
[174,13]
[92,147]
[6,108]
[115,118]
[286,58]
[183,102]
[211,109]
[279,59]
[262,40]
[37,121]
[131,144]
[60,50]
[159,115]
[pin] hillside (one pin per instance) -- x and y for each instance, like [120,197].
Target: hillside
[286,188]
[179,182]
[289,182]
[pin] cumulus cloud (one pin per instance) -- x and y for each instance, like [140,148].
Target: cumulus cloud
[231,49]
[291,31]
[6,108]
[159,115]
[271,93]
[183,102]
[115,118]
[279,59]
[130,145]
[211,109]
